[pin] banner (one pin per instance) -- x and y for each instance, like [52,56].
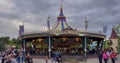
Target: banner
[48,23]
[21,30]
[86,23]
[104,29]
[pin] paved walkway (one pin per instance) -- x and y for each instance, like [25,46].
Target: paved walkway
[90,60]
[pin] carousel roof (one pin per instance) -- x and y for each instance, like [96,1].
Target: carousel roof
[62,29]
[63,33]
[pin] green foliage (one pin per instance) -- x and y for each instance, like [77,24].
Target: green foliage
[3,42]
[106,45]
[119,45]
[6,41]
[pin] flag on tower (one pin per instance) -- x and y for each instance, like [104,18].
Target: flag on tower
[86,23]
[21,30]
[48,23]
[105,29]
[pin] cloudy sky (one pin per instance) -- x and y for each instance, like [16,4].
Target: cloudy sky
[34,14]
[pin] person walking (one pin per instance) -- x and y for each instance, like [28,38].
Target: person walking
[56,57]
[100,53]
[13,59]
[8,59]
[105,57]
[20,58]
[46,59]
[28,59]
[113,56]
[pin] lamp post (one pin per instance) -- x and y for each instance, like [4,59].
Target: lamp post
[49,48]
[85,44]
[21,33]
[85,47]
[24,53]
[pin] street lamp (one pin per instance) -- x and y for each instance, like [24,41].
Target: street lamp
[21,33]
[85,47]
[86,26]
[49,48]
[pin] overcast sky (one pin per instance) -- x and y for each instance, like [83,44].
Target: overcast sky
[34,14]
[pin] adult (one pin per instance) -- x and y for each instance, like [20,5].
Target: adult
[56,57]
[8,59]
[28,59]
[20,58]
[100,53]
[113,56]
[3,57]
[13,59]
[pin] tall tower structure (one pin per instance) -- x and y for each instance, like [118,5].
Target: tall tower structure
[61,21]
[114,40]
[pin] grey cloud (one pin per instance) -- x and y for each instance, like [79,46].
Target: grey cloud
[35,13]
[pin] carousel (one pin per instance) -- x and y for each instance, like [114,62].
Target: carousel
[63,38]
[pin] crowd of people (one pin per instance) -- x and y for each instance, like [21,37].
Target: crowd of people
[12,55]
[107,54]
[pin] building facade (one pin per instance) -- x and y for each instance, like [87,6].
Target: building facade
[115,38]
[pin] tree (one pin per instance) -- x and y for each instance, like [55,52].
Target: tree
[3,42]
[106,44]
[6,41]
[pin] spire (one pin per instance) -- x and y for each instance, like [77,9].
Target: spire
[61,20]
[113,34]
[61,11]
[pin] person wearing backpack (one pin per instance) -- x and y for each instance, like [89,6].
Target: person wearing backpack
[105,57]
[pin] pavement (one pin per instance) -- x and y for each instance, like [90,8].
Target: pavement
[89,60]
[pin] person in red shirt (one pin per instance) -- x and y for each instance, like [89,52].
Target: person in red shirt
[113,56]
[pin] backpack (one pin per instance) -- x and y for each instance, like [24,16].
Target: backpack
[105,56]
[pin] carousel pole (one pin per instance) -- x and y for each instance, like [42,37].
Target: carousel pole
[49,49]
